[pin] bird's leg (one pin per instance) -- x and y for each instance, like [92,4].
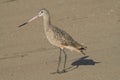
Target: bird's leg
[59,61]
[65,60]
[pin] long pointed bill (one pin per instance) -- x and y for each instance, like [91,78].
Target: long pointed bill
[28,21]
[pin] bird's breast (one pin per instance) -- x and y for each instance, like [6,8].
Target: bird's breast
[52,38]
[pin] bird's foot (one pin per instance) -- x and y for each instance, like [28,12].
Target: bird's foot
[63,71]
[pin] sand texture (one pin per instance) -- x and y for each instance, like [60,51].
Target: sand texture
[26,54]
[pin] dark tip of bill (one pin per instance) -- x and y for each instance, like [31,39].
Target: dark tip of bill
[23,24]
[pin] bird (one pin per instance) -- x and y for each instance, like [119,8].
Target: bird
[57,37]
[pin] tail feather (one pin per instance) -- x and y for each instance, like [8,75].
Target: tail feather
[82,48]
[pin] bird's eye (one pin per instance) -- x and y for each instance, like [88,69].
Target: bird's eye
[41,11]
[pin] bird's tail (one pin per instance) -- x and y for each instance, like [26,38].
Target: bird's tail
[82,48]
[77,47]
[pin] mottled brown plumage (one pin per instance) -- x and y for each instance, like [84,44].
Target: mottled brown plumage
[57,36]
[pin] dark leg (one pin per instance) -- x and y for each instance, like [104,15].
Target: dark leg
[65,60]
[59,61]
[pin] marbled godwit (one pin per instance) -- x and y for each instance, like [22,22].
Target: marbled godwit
[57,37]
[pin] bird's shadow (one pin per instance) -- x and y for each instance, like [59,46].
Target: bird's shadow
[82,61]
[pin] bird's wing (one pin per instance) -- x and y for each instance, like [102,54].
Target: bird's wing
[64,37]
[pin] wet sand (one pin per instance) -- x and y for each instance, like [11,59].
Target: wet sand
[25,53]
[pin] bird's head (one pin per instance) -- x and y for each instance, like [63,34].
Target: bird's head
[42,12]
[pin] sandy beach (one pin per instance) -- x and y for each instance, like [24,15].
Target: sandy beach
[26,54]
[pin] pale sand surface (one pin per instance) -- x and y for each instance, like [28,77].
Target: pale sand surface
[25,53]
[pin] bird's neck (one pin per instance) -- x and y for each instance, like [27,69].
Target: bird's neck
[46,20]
